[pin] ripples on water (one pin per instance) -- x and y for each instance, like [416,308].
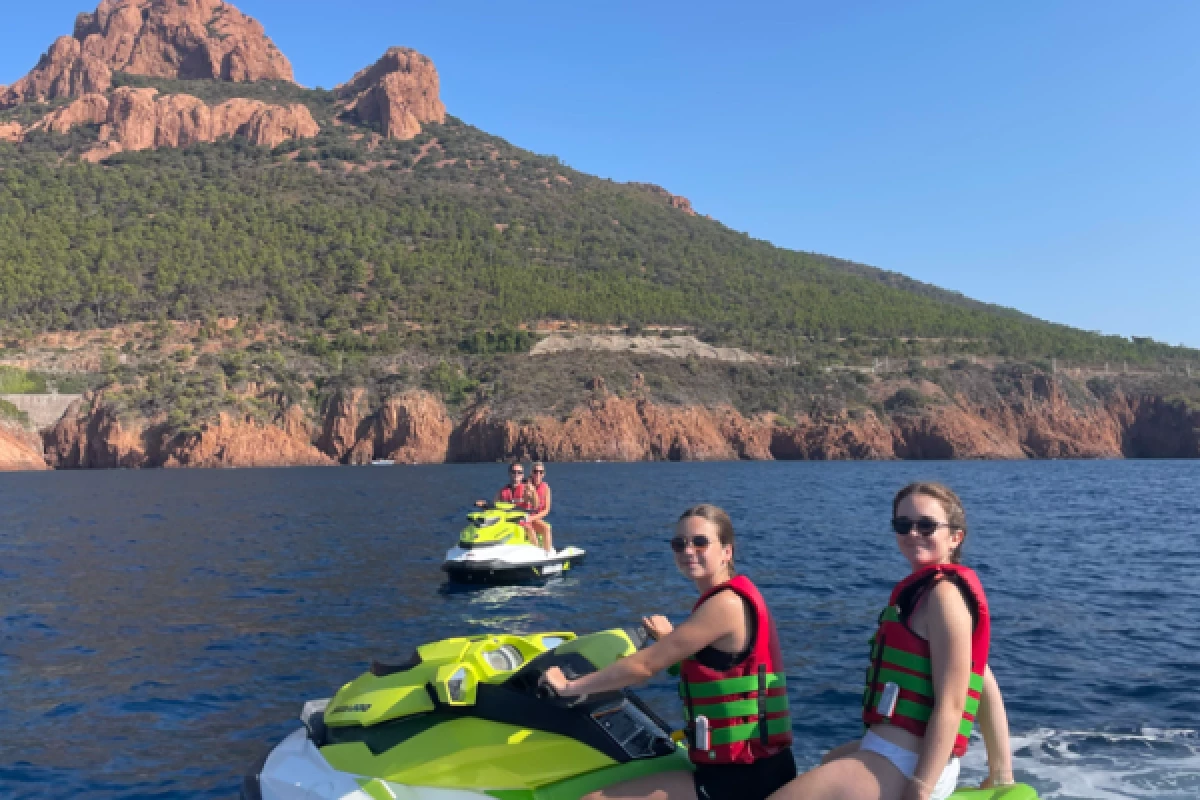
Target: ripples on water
[159,628]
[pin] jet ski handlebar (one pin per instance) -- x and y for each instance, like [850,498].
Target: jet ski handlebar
[545,691]
[640,637]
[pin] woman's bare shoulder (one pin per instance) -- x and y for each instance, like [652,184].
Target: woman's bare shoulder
[724,602]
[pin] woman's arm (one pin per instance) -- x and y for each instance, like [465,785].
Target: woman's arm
[993,727]
[950,624]
[720,616]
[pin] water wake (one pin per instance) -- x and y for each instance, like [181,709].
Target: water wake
[1143,764]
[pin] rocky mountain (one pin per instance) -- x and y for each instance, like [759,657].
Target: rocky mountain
[191,40]
[180,39]
[240,271]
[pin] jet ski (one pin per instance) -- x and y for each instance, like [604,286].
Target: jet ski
[470,718]
[496,548]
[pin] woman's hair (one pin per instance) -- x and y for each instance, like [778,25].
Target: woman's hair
[718,517]
[956,516]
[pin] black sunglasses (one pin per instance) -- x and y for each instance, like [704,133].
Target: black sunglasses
[698,542]
[926,526]
[539,472]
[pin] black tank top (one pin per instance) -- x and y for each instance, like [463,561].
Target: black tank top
[720,660]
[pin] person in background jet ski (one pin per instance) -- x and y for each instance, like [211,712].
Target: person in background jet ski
[731,677]
[537,520]
[516,491]
[928,682]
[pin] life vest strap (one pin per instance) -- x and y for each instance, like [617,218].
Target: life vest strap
[762,704]
[909,661]
[922,713]
[905,680]
[750,730]
[733,709]
[747,684]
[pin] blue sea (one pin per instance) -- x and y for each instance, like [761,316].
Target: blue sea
[160,629]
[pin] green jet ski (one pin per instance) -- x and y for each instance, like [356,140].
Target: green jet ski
[470,719]
[495,548]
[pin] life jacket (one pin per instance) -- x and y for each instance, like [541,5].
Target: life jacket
[901,657]
[543,492]
[746,705]
[509,495]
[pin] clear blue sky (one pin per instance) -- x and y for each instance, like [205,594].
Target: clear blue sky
[1044,156]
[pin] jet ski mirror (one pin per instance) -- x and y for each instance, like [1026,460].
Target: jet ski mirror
[456,684]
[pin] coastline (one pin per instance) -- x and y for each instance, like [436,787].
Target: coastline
[1044,418]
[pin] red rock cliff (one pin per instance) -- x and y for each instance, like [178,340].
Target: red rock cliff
[609,428]
[1035,421]
[409,428]
[232,442]
[19,449]
[181,39]
[141,119]
[92,435]
[399,92]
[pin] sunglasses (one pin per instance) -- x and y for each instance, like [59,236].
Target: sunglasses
[698,542]
[926,526]
[539,472]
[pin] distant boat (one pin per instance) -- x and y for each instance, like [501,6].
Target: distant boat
[383,462]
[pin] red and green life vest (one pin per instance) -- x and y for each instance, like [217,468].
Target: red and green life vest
[900,656]
[515,496]
[746,706]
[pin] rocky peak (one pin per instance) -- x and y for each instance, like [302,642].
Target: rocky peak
[400,91]
[179,39]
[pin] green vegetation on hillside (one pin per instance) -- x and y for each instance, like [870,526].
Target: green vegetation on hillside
[18,381]
[443,243]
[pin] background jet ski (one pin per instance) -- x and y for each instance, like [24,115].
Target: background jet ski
[496,548]
[470,719]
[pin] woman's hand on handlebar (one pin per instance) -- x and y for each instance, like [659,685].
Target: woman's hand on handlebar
[555,679]
[481,503]
[657,626]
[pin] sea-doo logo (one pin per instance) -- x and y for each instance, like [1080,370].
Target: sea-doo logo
[358,708]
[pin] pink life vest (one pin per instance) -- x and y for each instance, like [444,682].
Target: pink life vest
[543,495]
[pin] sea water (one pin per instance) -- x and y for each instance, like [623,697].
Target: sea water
[159,629]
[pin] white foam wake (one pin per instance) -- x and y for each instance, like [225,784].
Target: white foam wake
[1144,764]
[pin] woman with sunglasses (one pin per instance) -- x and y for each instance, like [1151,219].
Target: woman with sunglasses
[731,677]
[928,671]
[537,520]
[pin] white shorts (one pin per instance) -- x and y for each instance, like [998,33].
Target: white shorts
[906,762]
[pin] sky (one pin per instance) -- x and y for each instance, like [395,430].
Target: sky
[1043,156]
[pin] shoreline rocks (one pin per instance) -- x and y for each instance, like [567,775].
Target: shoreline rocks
[414,427]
